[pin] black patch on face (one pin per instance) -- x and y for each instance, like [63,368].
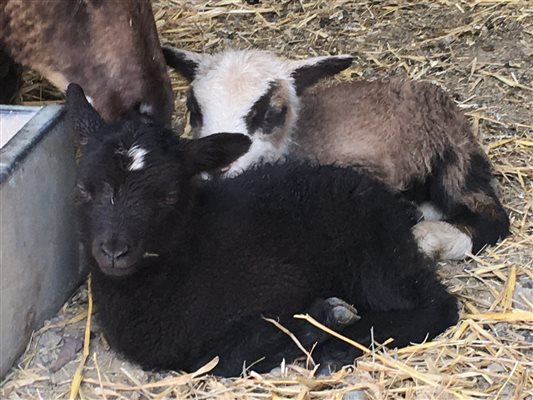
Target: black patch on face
[196,118]
[274,118]
[263,115]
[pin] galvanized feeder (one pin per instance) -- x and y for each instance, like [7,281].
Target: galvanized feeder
[39,266]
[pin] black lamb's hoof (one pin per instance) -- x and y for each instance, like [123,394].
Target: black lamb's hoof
[334,313]
[340,313]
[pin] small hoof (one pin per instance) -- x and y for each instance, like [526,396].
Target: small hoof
[341,313]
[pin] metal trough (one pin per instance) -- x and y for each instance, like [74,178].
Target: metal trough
[39,266]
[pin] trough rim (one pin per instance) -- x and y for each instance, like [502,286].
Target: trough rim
[27,138]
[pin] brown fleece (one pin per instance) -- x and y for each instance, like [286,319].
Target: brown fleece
[403,132]
[397,128]
[109,47]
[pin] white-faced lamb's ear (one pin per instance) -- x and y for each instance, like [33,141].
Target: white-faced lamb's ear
[183,61]
[215,152]
[308,72]
[81,116]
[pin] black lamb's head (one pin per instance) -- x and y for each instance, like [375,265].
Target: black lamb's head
[134,189]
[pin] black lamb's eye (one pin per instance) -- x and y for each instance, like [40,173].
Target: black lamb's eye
[171,197]
[194,110]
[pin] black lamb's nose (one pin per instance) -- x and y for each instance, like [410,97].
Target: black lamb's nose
[114,250]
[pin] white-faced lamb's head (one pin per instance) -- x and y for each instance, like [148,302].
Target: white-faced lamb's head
[135,184]
[251,92]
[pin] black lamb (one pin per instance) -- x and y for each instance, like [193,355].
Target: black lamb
[185,270]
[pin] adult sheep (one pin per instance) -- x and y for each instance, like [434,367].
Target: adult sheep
[111,47]
[409,134]
[184,270]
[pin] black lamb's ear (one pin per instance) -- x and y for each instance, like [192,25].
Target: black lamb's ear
[215,152]
[81,116]
[183,61]
[308,72]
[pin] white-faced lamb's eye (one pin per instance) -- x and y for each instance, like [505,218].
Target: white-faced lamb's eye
[274,118]
[171,197]
[82,194]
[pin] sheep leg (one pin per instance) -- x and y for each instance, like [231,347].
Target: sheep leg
[469,202]
[477,209]
[332,312]
[483,218]
[433,310]
[260,341]
[441,240]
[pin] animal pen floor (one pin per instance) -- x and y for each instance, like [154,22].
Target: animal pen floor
[482,52]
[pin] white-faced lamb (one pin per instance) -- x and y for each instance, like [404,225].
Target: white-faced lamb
[184,270]
[409,134]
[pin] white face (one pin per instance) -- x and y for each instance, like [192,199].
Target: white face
[247,92]
[251,92]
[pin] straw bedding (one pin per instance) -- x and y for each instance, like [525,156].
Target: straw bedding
[482,52]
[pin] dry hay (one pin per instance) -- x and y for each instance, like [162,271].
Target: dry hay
[482,51]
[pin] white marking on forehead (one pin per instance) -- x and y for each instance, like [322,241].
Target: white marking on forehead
[90,100]
[137,154]
[146,109]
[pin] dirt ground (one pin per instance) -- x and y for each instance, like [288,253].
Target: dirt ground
[482,52]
